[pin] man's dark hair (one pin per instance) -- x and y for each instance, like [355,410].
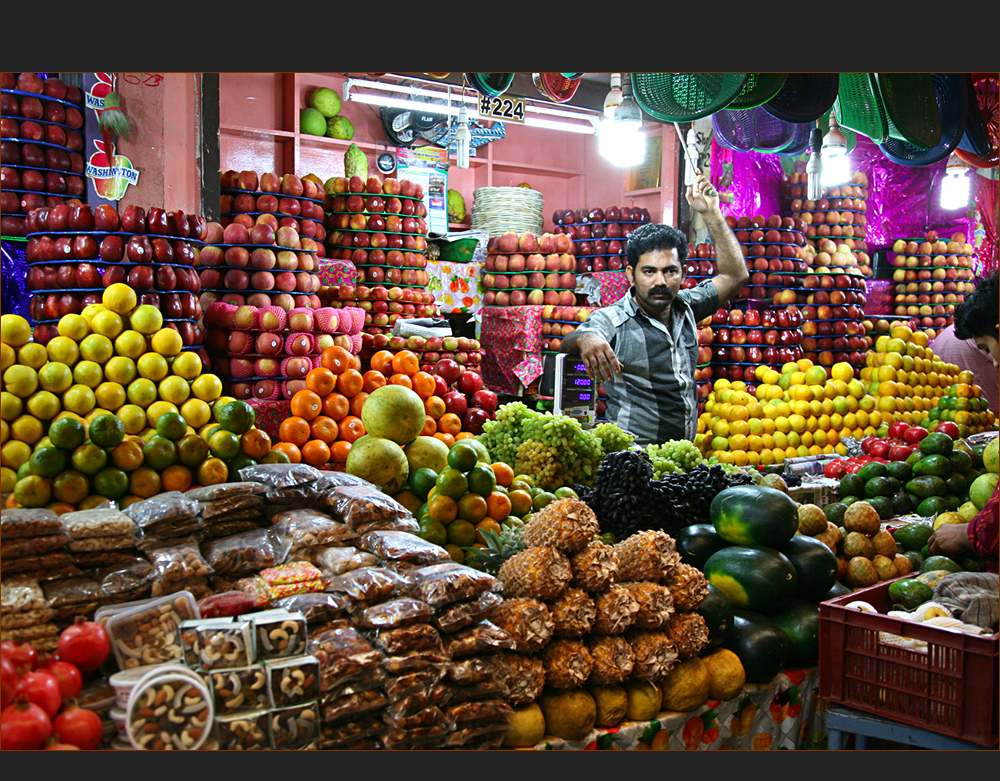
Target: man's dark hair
[655,236]
[977,316]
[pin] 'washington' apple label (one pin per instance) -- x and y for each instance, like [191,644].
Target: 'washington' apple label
[110,181]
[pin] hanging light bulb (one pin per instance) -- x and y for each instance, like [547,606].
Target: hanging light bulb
[814,166]
[955,187]
[621,140]
[836,165]
[614,96]
[463,138]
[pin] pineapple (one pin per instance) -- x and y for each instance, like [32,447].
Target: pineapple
[613,659]
[656,603]
[616,610]
[567,664]
[567,525]
[540,573]
[655,655]
[595,567]
[499,548]
[646,555]
[573,613]
[688,632]
[688,586]
[527,621]
[522,676]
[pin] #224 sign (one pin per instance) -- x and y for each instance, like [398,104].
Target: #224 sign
[505,108]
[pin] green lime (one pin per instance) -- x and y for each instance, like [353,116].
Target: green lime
[453,483]
[462,456]
[24,470]
[111,482]
[237,416]
[67,433]
[106,431]
[565,492]
[89,458]
[172,426]
[461,533]
[239,462]
[159,453]
[482,479]
[422,481]
[224,444]
[47,462]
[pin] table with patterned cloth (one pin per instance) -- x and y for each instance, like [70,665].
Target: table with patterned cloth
[787,713]
[511,339]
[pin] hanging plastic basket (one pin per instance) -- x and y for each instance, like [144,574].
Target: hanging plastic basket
[685,97]
[859,108]
[759,88]
[571,76]
[555,86]
[804,97]
[911,107]
[492,84]
[753,129]
[799,142]
[952,100]
[979,145]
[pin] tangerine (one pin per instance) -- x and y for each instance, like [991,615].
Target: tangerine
[321,380]
[255,443]
[306,404]
[351,428]
[405,362]
[176,477]
[448,439]
[357,403]
[290,450]
[504,473]
[339,450]
[430,426]
[435,407]
[336,406]
[401,379]
[295,430]
[441,508]
[324,428]
[381,361]
[498,505]
[372,380]
[145,482]
[350,382]
[449,423]
[337,359]
[316,452]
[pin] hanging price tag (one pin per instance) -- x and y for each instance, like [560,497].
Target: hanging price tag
[504,108]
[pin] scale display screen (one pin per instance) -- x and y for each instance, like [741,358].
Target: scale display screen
[575,392]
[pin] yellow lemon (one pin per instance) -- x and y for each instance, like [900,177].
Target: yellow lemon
[44,405]
[158,408]
[196,412]
[107,323]
[90,311]
[33,355]
[141,392]
[73,326]
[20,380]
[167,341]
[26,428]
[97,348]
[14,330]
[175,389]
[146,319]
[152,366]
[130,344]
[207,387]
[55,377]
[187,365]
[119,298]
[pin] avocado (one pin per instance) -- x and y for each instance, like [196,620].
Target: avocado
[932,505]
[900,470]
[954,501]
[914,535]
[928,485]
[881,486]
[883,505]
[909,594]
[937,443]
[977,455]
[957,483]
[872,469]
[915,456]
[960,461]
[937,465]
[849,500]
[903,504]
[852,485]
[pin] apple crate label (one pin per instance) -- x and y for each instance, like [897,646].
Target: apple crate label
[110,181]
[505,108]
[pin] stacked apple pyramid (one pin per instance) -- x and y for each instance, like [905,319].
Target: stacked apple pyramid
[74,252]
[41,147]
[265,353]
[599,235]
[558,322]
[529,270]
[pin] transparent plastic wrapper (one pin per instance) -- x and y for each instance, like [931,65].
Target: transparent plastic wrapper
[443,584]
[395,613]
[423,717]
[29,522]
[295,726]
[169,514]
[482,712]
[20,593]
[169,709]
[83,524]
[228,528]
[49,566]
[226,604]
[398,546]
[211,643]
[211,493]
[33,546]
[240,507]
[292,680]
[367,584]
[398,739]
[415,637]
[279,633]
[296,530]
[351,706]
[181,562]
[372,678]
[459,615]
[257,588]
[128,580]
[239,689]
[285,580]
[476,639]
[280,475]
[488,735]
[23,619]
[240,554]
[344,655]
[244,731]
[465,672]
[399,687]
[316,608]
[149,632]
[334,561]
[365,508]
[343,734]
[102,544]
[71,592]
[415,661]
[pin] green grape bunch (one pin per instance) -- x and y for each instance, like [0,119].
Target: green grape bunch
[612,438]
[675,455]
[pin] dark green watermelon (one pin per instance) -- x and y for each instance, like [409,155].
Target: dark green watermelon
[799,623]
[759,643]
[695,543]
[718,615]
[815,566]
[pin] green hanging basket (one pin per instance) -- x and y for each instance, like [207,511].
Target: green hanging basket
[685,97]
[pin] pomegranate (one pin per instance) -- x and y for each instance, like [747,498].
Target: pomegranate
[78,726]
[41,688]
[24,726]
[9,682]
[20,654]
[68,675]
[85,644]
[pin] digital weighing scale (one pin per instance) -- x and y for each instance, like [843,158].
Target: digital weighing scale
[564,377]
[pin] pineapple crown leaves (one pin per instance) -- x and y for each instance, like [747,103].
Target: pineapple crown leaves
[496,553]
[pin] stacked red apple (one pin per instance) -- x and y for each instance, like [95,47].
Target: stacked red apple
[75,251]
[464,393]
[703,373]
[743,339]
[265,264]
[773,250]
[379,226]
[559,322]
[40,147]
[599,235]
[699,264]
[529,270]
[295,202]
[382,305]
[264,353]
[833,330]
[932,276]
[839,213]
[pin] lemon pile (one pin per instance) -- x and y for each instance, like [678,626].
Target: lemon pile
[113,409]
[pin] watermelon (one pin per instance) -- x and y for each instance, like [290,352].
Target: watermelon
[718,615]
[754,515]
[753,577]
[799,623]
[815,566]
[759,643]
[695,543]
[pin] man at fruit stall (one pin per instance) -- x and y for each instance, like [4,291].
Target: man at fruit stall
[644,347]
[971,341]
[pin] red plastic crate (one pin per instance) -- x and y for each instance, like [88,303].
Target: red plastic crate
[951,689]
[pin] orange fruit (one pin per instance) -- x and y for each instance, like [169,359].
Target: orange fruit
[351,428]
[306,404]
[373,380]
[450,423]
[401,379]
[339,451]
[295,430]
[448,439]
[406,362]
[423,384]
[435,407]
[520,502]
[350,382]
[336,358]
[255,443]
[321,380]
[430,426]
[324,428]
[442,509]
[504,473]
[487,524]
[357,403]
[498,505]
[176,477]
[315,452]
[336,406]
[472,507]
[381,361]
[464,435]
[213,471]
[289,449]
